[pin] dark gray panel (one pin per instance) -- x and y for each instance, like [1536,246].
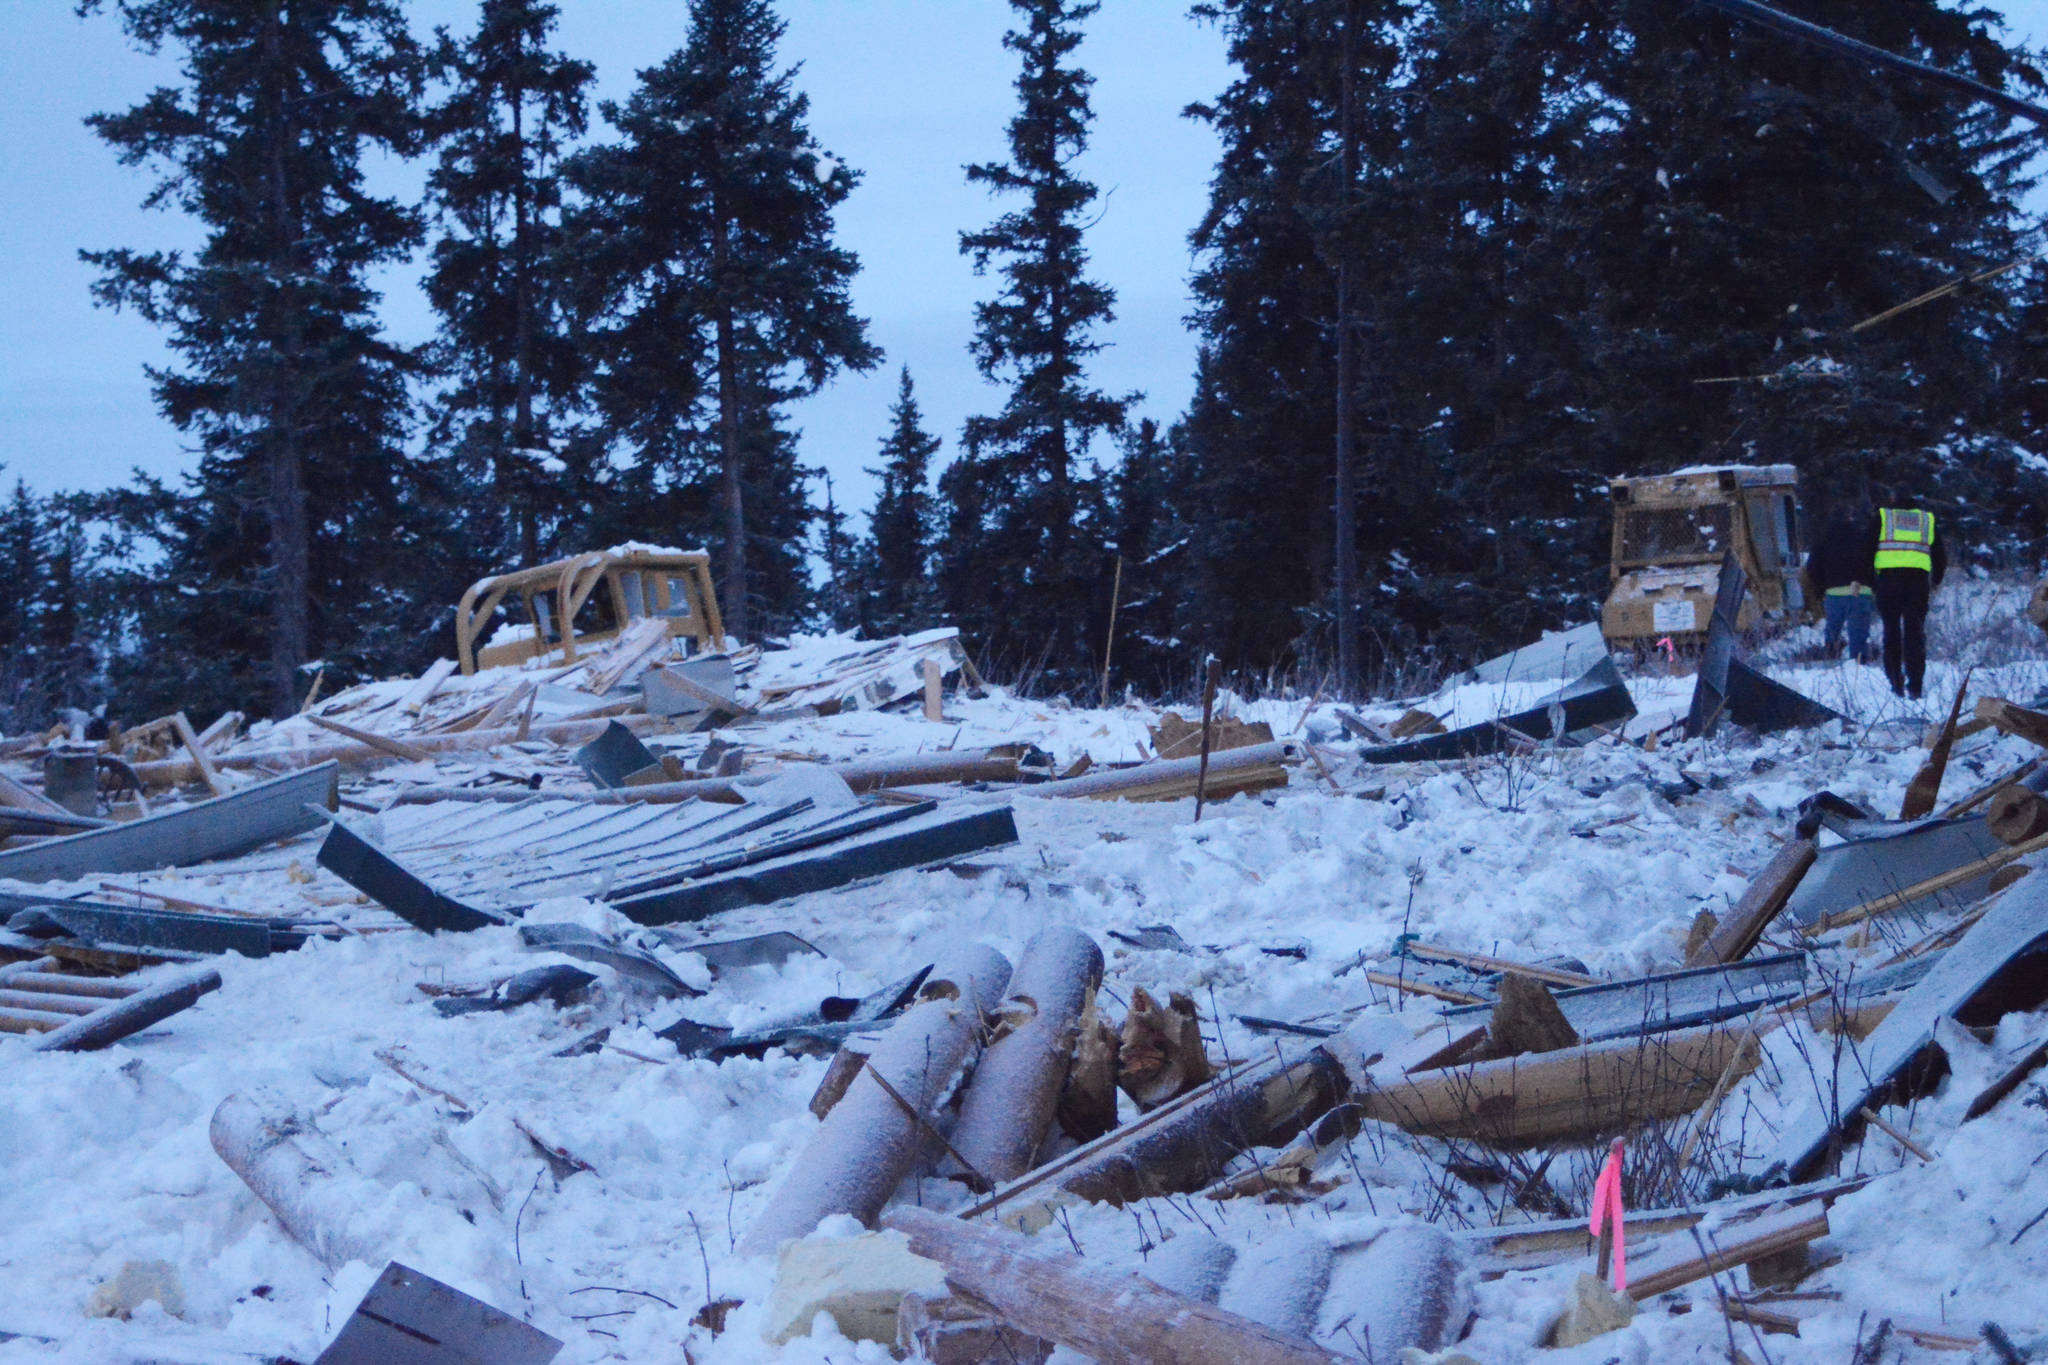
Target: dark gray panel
[412,1319]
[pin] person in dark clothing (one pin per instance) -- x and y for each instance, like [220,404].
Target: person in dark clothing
[1840,568]
[1909,560]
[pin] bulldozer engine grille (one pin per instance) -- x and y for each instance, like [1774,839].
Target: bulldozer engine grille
[1649,535]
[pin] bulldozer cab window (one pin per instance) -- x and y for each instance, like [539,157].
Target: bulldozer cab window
[596,616]
[676,599]
[1665,535]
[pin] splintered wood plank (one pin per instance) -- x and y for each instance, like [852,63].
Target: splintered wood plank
[207,772]
[397,748]
[1725,1248]
[1762,901]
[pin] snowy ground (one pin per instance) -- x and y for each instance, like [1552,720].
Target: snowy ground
[105,1156]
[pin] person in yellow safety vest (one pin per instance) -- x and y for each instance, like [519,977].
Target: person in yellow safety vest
[1908,560]
[1841,572]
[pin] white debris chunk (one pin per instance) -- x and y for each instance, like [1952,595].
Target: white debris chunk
[860,1281]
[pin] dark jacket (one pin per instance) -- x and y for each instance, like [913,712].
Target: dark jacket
[1844,554]
[1937,551]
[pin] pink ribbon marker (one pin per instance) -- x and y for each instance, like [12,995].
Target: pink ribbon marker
[1607,1212]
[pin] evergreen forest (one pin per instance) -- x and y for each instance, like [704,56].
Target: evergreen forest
[1541,243]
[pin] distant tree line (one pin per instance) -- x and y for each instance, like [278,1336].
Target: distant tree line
[1578,240]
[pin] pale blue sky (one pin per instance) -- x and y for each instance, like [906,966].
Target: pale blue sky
[907,91]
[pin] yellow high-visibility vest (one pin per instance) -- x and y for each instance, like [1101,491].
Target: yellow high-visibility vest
[1905,539]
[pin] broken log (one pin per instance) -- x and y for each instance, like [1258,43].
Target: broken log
[1402,1293]
[1737,932]
[1925,788]
[301,1176]
[912,770]
[1159,1052]
[1017,1083]
[1119,1319]
[1279,1282]
[1599,1088]
[2016,814]
[1187,1143]
[1527,1019]
[868,1143]
[131,1014]
[1254,768]
[1087,1106]
[2031,726]
[421,692]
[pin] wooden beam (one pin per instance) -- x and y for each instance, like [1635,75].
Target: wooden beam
[420,693]
[397,748]
[132,1015]
[18,797]
[1726,1248]
[934,697]
[207,772]
[1737,932]
[1410,986]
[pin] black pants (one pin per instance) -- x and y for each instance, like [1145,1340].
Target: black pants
[1902,602]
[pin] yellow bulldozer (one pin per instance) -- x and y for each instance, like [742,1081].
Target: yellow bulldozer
[577,603]
[1670,533]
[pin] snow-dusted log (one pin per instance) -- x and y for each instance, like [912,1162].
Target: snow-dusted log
[1009,1103]
[132,1014]
[864,1147]
[1280,1282]
[1401,1292]
[909,770]
[1187,1143]
[298,1174]
[1119,1319]
[1237,770]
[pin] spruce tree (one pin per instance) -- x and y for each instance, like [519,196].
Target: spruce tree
[1564,223]
[705,259]
[504,347]
[296,539]
[1023,570]
[839,598]
[898,594]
